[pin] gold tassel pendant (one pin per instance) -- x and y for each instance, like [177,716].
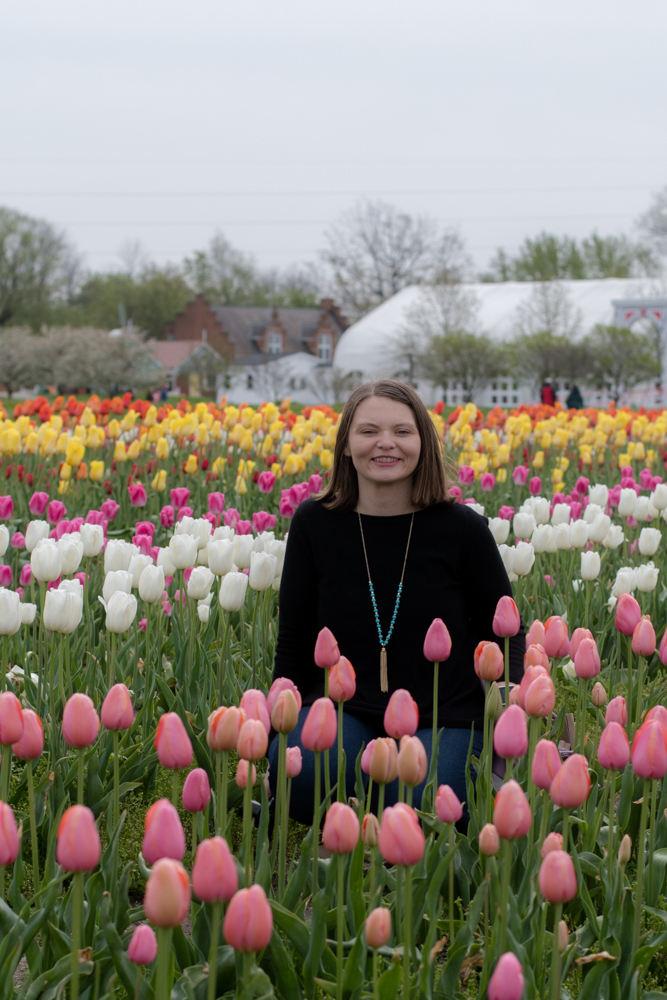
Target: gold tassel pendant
[384,680]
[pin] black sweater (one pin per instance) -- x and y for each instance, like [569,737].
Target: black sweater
[454,572]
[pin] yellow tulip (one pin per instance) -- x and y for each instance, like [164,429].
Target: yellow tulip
[97,471]
[120,454]
[557,476]
[216,430]
[501,476]
[162,448]
[159,482]
[129,420]
[285,451]
[218,466]
[326,458]
[191,465]
[113,429]
[330,436]
[61,444]
[267,446]
[640,452]
[246,441]
[277,470]
[65,470]
[74,453]
[63,486]
[240,486]
[318,444]
[134,451]
[151,416]
[538,460]
[30,445]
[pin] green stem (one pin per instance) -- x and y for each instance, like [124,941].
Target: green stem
[407,932]
[79,784]
[376,976]
[247,825]
[340,892]
[651,836]
[33,829]
[610,837]
[507,670]
[436,698]
[163,959]
[316,823]
[3,668]
[327,774]
[222,663]
[5,770]
[116,779]
[629,688]
[223,792]
[111,669]
[399,896]
[640,693]
[451,887]
[194,835]
[555,954]
[504,893]
[488,749]
[77,921]
[380,802]
[282,806]
[340,775]
[174,789]
[212,955]
[253,644]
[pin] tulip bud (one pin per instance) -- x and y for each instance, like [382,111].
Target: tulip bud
[494,703]
[506,620]
[224,726]
[536,634]
[215,877]
[196,791]
[617,711]
[563,936]
[510,735]
[342,680]
[598,695]
[507,982]
[320,728]
[327,653]
[253,703]
[262,570]
[45,558]
[556,640]
[142,949]
[163,833]
[540,697]
[117,711]
[280,684]
[340,834]
[643,638]
[9,837]
[511,812]
[31,743]
[199,583]
[625,850]
[649,750]
[174,749]
[401,840]
[370,830]
[285,714]
[627,614]
[546,763]
[183,551]
[253,740]
[151,584]
[489,661]
[77,841]
[10,611]
[248,922]
[383,762]
[412,761]
[232,591]
[167,896]
[587,659]
[535,656]
[447,805]
[378,927]
[401,717]
[81,723]
[293,762]
[658,712]
[489,841]
[552,842]
[243,769]
[438,643]
[578,636]
[571,784]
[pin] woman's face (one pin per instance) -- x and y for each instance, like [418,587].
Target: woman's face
[384,441]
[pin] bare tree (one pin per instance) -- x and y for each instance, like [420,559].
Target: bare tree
[133,258]
[224,274]
[272,379]
[332,385]
[17,354]
[548,308]
[375,251]
[653,223]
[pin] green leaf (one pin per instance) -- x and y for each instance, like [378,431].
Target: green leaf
[58,976]
[627,795]
[125,969]
[390,981]
[355,967]
[280,970]
[356,913]
[295,930]
[447,984]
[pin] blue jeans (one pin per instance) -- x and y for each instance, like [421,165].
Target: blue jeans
[452,755]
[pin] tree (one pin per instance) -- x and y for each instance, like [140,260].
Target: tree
[558,258]
[375,251]
[621,359]
[548,308]
[616,257]
[534,357]
[38,268]
[17,356]
[149,300]
[225,275]
[92,360]
[468,359]
[653,223]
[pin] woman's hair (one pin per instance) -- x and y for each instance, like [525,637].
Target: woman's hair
[429,480]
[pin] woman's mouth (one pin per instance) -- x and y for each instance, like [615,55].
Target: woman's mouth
[386,460]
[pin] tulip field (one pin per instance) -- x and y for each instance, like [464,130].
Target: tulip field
[141,552]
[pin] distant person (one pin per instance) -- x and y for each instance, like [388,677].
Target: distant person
[164,395]
[574,399]
[548,394]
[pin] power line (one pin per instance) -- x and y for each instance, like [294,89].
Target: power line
[327,222]
[333,163]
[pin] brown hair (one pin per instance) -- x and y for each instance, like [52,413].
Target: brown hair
[429,481]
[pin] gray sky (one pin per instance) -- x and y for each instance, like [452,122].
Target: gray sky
[164,121]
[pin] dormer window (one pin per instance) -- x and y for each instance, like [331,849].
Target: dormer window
[274,342]
[324,347]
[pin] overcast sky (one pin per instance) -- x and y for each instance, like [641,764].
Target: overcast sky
[164,121]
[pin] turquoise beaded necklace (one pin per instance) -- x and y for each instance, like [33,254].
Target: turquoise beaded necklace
[384,680]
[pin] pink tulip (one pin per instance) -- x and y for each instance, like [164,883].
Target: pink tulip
[540,697]
[55,511]
[507,982]
[531,673]
[167,896]
[77,842]
[447,805]
[142,949]
[663,650]
[401,717]
[587,659]
[438,643]
[224,726]
[248,922]
[657,712]
[510,735]
[253,740]
[38,503]
[174,749]
[571,785]
[265,482]
[137,494]
[5,576]
[383,761]
[535,656]
[340,834]
[556,640]
[366,757]
[31,743]
[613,749]
[466,475]
[9,837]
[520,475]
[536,634]
[617,711]
[293,762]
[261,521]
[215,877]
[163,833]
[401,837]
[506,620]
[598,695]
[216,503]
[143,543]
[546,763]
[489,661]
[557,878]
[511,812]
[627,614]
[327,653]
[577,636]
[26,575]
[243,770]
[109,509]
[342,680]
[179,497]
[17,541]
[412,761]
[11,719]
[167,516]
[81,723]
[643,637]
[552,842]
[144,528]
[535,486]
[282,684]
[117,710]
[196,791]
[6,508]
[489,841]
[649,750]
[320,728]
[285,714]
[378,927]
[253,703]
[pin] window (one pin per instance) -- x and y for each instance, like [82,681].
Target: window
[504,399]
[249,382]
[324,347]
[292,384]
[275,342]
[228,382]
[503,386]
[515,399]
[494,385]
[515,385]
[494,399]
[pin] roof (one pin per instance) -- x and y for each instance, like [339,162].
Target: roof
[243,324]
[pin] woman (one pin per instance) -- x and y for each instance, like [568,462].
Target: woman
[387,516]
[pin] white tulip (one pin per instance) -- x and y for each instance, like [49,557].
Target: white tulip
[203,612]
[592,512]
[63,611]
[222,534]
[243,547]
[627,502]
[578,534]
[137,565]
[524,557]
[119,580]
[28,612]
[263,540]
[499,528]
[541,510]
[151,584]
[71,554]
[220,556]
[612,602]
[576,585]
[649,541]
[277,549]
[199,583]
[659,496]
[614,537]
[590,565]
[477,507]
[562,536]
[544,539]
[72,587]
[207,600]
[121,610]
[599,528]
[646,576]
[653,512]
[523,525]
[641,512]
[599,494]
[197,527]
[233,587]
[625,581]
[202,557]
[34,533]
[569,670]
[561,514]
[183,551]
[262,570]
[118,555]
[10,611]
[45,561]
[92,536]
[4,539]
[164,560]
[507,556]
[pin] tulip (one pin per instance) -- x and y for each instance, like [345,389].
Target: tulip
[327,653]
[253,740]
[617,711]
[282,684]
[598,695]
[340,834]
[117,555]
[649,541]
[412,762]
[199,583]
[489,841]
[488,661]
[319,729]
[117,710]
[536,655]
[556,640]
[9,838]
[553,842]
[243,549]
[587,659]
[500,529]
[163,833]
[293,762]
[224,726]
[546,763]
[45,561]
[378,927]
[649,750]
[167,896]
[77,842]
[248,922]
[511,812]
[174,749]
[262,570]
[151,584]
[121,610]
[179,497]
[30,743]
[10,612]
[245,772]
[81,723]
[183,551]
[524,557]
[590,565]
[557,878]
[254,706]
[578,636]
[196,791]
[657,712]
[28,612]
[232,592]
[643,637]
[401,717]
[220,556]
[370,830]
[342,682]
[540,697]
[71,554]
[507,982]
[510,735]
[613,749]
[438,643]
[571,784]
[63,610]
[92,539]
[5,576]
[647,578]
[447,805]
[401,839]
[383,761]
[35,532]
[142,949]
[506,620]
[38,503]
[627,502]
[214,874]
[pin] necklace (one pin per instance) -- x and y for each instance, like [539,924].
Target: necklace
[384,681]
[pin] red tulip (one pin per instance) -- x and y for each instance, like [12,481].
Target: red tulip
[9,835]
[163,833]
[438,643]
[401,717]
[447,805]
[577,636]
[506,620]
[401,837]
[11,719]
[327,653]
[167,896]
[649,750]
[31,743]
[511,812]
[613,749]
[627,614]
[587,659]
[383,764]
[378,926]
[535,656]
[489,841]
[657,712]
[142,949]
[540,697]
[253,703]
[77,842]
[243,768]
[196,791]
[117,711]
[253,740]
[617,711]
[224,726]
[557,878]
[536,634]
[285,712]
[556,640]
[282,684]
[174,749]
[215,877]
[342,680]
[412,761]
[546,763]
[571,784]
[81,723]
[340,834]
[320,728]
[248,922]
[489,661]
[510,735]
[507,981]
[643,637]
[552,842]
[293,762]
